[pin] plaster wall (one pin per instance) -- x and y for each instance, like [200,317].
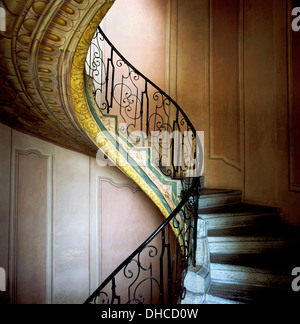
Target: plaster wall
[137,28]
[243,60]
[66,223]
[232,67]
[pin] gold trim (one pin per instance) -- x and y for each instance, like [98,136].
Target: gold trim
[84,115]
[35,50]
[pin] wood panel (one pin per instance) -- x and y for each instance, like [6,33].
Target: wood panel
[260,102]
[294,109]
[71,217]
[225,97]
[125,224]
[30,229]
[5,155]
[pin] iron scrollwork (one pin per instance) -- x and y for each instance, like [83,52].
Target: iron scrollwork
[121,91]
[155,272]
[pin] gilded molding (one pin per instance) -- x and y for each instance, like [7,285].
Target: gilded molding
[36,52]
[43,55]
[85,117]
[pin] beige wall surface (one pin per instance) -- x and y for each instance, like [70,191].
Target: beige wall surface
[62,217]
[229,72]
[137,28]
[232,67]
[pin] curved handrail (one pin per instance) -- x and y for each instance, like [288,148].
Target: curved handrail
[190,192]
[144,77]
[123,93]
[122,90]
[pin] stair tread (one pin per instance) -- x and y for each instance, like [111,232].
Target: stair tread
[277,231]
[243,268]
[252,293]
[252,253]
[271,262]
[255,240]
[237,209]
[211,191]
[218,197]
[252,275]
[238,216]
[215,300]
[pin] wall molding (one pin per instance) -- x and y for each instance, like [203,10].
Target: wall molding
[16,153]
[172,49]
[133,187]
[240,88]
[96,223]
[292,185]
[120,185]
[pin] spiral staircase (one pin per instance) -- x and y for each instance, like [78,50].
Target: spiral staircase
[218,250]
[225,251]
[53,87]
[148,136]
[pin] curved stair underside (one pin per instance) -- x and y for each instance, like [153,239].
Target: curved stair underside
[37,52]
[43,54]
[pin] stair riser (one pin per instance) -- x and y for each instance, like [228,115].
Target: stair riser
[250,293]
[213,300]
[244,246]
[208,201]
[240,275]
[226,221]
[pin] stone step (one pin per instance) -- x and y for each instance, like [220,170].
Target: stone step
[251,294]
[250,253]
[253,264]
[238,215]
[254,239]
[218,197]
[277,261]
[214,300]
[269,230]
[248,245]
[247,275]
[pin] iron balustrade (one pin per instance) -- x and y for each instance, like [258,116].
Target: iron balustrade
[155,272]
[147,112]
[165,284]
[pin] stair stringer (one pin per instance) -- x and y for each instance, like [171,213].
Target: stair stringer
[139,157]
[97,131]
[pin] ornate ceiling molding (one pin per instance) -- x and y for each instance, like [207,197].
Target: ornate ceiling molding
[42,87]
[84,115]
[37,51]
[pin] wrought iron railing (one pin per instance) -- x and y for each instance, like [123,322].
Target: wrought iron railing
[155,272]
[147,117]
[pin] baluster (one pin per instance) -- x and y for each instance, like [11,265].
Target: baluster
[155,111]
[161,263]
[114,295]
